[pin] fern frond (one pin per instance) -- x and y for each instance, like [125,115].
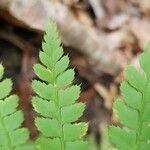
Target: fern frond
[134,110]
[12,137]
[56,98]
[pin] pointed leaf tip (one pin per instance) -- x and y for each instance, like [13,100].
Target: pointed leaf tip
[1,71]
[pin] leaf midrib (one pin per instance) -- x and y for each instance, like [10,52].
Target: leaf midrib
[59,112]
[141,113]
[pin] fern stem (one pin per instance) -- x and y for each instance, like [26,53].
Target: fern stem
[60,123]
[141,116]
[4,129]
[59,113]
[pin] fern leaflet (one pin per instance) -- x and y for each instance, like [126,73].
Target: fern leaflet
[134,110]
[56,98]
[12,137]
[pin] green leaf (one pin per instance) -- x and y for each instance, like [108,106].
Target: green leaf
[57,54]
[8,106]
[13,121]
[5,88]
[69,95]
[122,139]
[74,132]
[145,135]
[4,141]
[43,90]
[147,93]
[61,65]
[45,59]
[66,78]
[128,93]
[72,113]
[43,73]
[19,136]
[134,110]
[4,148]
[1,71]
[80,145]
[45,108]
[26,147]
[127,116]
[44,143]
[146,112]
[145,146]
[51,45]
[51,39]
[145,61]
[56,98]
[48,127]
[12,136]
[136,78]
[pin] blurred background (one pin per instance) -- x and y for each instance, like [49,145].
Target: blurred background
[101,38]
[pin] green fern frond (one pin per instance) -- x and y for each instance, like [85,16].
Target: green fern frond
[134,110]
[56,98]
[12,137]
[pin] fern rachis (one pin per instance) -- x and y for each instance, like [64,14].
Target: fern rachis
[134,110]
[56,98]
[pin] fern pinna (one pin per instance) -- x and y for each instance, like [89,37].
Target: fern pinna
[134,110]
[56,98]
[12,136]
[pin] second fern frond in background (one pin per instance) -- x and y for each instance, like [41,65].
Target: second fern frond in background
[12,135]
[134,110]
[56,98]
